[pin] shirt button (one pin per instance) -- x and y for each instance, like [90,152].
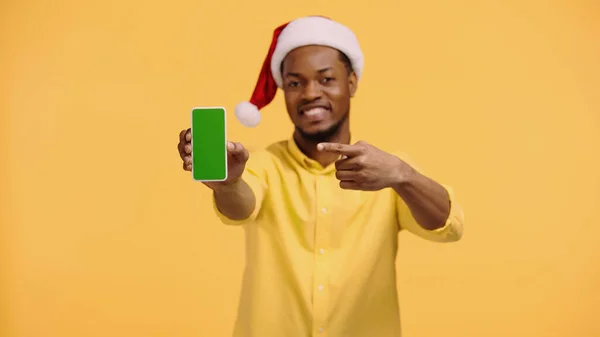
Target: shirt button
[321,329]
[320,287]
[322,251]
[323,210]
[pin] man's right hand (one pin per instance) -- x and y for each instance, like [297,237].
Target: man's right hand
[237,156]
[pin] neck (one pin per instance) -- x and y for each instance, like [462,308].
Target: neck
[309,148]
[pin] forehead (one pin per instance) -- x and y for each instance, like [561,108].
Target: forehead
[311,58]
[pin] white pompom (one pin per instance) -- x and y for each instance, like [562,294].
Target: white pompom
[248,114]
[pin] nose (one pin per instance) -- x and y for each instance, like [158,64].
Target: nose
[312,91]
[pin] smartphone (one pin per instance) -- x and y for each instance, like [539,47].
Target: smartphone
[209,144]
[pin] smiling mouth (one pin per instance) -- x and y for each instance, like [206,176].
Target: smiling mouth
[315,114]
[314,111]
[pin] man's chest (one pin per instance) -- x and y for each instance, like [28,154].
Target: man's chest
[313,209]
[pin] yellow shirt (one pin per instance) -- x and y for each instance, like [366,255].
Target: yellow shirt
[320,260]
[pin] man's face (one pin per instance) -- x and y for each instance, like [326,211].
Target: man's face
[317,88]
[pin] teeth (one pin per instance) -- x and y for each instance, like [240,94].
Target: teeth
[315,111]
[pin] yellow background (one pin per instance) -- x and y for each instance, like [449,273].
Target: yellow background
[104,235]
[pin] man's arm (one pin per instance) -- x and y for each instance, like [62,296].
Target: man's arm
[424,207]
[236,201]
[240,202]
[428,209]
[427,200]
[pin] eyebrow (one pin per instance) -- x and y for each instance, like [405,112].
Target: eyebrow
[320,71]
[324,70]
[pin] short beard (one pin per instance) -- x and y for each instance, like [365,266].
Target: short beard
[325,135]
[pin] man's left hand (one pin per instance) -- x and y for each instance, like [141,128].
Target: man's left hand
[367,168]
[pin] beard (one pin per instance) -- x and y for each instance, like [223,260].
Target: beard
[324,135]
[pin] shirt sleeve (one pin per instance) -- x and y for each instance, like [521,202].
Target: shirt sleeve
[255,176]
[452,230]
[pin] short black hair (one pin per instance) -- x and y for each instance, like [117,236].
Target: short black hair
[343,57]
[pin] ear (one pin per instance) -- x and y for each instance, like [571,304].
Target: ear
[352,83]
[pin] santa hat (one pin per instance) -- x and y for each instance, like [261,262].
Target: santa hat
[311,30]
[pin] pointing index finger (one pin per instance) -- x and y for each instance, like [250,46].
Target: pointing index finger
[345,149]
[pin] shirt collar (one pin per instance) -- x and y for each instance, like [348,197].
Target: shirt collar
[307,163]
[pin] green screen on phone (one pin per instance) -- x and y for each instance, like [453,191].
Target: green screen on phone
[209,144]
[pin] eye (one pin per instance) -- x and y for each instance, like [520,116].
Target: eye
[327,80]
[293,84]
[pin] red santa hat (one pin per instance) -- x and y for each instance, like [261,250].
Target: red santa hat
[310,30]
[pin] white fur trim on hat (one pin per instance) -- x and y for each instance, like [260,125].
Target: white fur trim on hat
[248,114]
[315,30]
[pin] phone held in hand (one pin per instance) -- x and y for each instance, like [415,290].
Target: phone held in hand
[209,144]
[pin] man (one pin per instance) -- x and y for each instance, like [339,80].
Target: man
[322,213]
